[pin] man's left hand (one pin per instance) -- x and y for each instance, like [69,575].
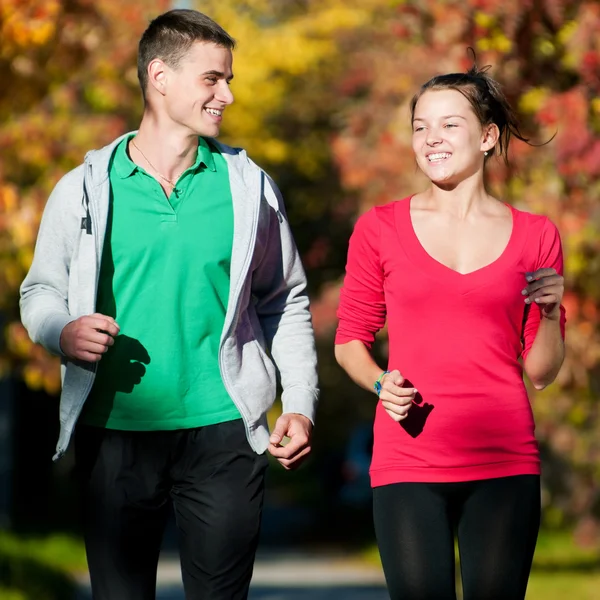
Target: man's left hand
[298,429]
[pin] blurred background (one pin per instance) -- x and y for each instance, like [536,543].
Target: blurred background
[321,102]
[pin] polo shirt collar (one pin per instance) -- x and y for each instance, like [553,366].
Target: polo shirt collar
[122,164]
[204,156]
[125,167]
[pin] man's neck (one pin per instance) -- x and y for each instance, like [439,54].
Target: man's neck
[168,152]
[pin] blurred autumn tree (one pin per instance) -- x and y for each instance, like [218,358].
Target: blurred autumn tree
[322,89]
[546,53]
[285,111]
[69,69]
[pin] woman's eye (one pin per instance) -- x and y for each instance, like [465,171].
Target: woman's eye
[450,125]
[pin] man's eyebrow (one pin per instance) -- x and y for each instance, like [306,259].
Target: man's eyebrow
[219,74]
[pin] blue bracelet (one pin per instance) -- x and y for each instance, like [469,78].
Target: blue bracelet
[377,384]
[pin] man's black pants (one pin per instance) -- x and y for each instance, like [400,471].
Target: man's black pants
[129,479]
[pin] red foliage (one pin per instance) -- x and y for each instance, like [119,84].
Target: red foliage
[550,46]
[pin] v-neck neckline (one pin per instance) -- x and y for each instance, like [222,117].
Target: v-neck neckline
[437,269]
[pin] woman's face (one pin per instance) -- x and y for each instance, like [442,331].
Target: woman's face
[448,139]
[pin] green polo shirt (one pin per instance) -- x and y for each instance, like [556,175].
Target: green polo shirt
[165,279]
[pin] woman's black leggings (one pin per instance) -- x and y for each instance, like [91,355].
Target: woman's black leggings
[496,522]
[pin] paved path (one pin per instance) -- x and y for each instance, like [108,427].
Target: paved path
[284,593]
[287,577]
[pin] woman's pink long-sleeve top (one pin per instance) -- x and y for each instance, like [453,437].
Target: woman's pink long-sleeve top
[457,339]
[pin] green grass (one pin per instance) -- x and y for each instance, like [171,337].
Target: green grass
[556,550]
[9,594]
[39,568]
[59,551]
[561,569]
[560,586]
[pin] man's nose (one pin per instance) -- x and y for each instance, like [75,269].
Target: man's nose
[224,94]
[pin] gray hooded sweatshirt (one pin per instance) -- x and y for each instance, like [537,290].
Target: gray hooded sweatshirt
[267,329]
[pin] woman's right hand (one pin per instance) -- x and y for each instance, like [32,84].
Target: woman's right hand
[396,399]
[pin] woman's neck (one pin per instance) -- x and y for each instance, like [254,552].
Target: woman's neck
[465,199]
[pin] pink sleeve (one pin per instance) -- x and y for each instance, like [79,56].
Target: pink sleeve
[361,311]
[550,256]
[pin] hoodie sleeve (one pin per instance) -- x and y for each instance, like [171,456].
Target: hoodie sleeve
[44,292]
[282,306]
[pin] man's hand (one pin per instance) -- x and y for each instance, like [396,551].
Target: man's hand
[396,399]
[89,337]
[545,288]
[299,429]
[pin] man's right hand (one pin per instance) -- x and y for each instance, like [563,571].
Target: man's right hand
[89,337]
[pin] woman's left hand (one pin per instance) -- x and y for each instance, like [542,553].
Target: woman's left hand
[545,287]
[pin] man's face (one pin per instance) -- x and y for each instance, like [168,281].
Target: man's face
[197,92]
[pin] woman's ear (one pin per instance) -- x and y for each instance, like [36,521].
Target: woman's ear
[490,137]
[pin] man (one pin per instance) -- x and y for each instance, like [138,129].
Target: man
[166,277]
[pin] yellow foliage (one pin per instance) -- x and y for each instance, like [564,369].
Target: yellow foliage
[12,274]
[271,58]
[484,19]
[575,263]
[25,257]
[567,31]
[51,380]
[8,199]
[570,60]
[20,345]
[33,376]
[532,100]
[484,44]
[25,23]
[101,97]
[578,415]
[546,48]
[21,230]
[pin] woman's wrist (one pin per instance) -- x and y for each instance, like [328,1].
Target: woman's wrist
[552,316]
[378,382]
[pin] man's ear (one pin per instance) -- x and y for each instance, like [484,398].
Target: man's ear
[157,75]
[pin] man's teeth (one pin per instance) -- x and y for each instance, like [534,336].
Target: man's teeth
[438,156]
[214,111]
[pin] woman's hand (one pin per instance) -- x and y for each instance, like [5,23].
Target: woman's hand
[396,399]
[545,287]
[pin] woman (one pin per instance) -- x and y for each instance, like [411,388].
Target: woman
[468,286]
